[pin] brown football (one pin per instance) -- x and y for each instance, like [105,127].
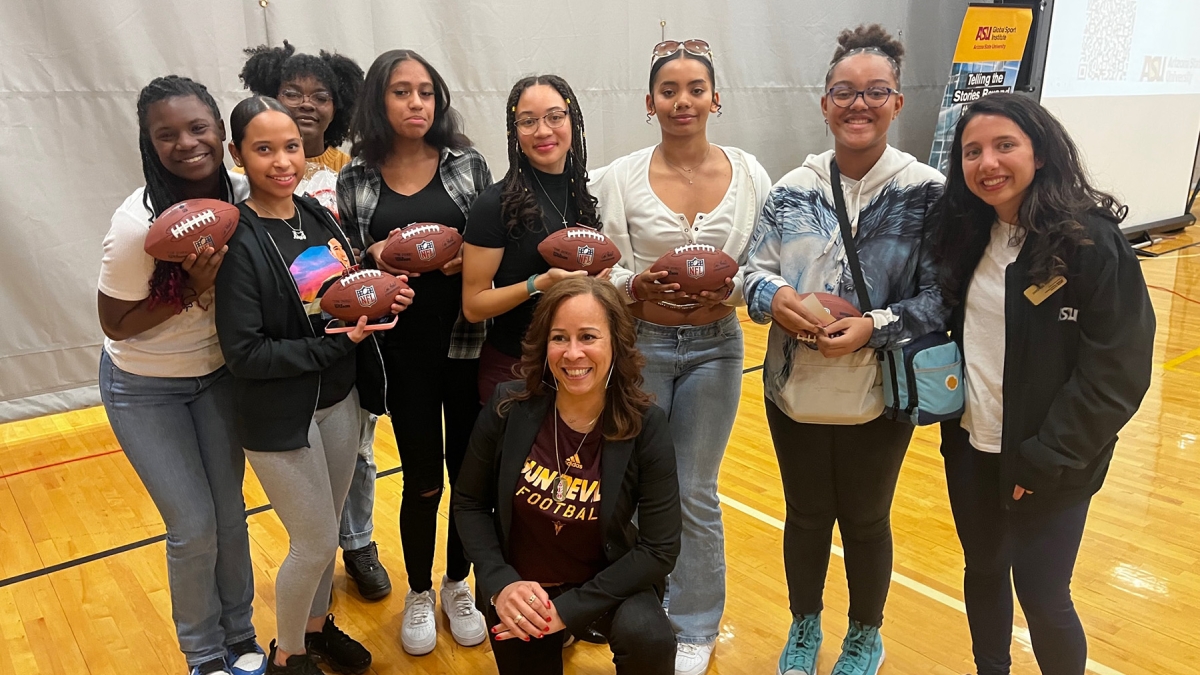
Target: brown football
[579,248]
[366,293]
[191,226]
[422,247]
[696,268]
[837,306]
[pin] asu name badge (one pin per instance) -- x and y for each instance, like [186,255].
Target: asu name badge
[1038,294]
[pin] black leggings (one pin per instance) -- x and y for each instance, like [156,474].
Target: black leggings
[423,386]
[1033,551]
[638,633]
[845,474]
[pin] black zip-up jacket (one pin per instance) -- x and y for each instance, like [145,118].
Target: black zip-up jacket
[1076,368]
[269,344]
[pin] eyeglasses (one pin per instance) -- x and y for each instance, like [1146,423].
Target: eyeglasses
[844,97]
[668,47]
[554,120]
[293,97]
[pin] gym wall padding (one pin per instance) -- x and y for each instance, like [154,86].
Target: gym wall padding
[70,72]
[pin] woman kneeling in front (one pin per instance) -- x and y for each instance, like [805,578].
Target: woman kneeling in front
[551,553]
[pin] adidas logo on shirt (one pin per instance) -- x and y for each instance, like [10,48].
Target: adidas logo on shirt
[573,462]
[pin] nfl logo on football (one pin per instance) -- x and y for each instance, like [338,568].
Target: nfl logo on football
[366,296]
[426,250]
[586,254]
[202,243]
[695,268]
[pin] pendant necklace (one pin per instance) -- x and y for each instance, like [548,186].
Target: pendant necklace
[560,484]
[298,231]
[686,173]
[566,203]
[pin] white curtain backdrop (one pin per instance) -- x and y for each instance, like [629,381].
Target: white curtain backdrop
[70,71]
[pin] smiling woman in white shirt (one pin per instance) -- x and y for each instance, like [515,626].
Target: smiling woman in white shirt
[686,190]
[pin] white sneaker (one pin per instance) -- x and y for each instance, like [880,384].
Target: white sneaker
[692,659]
[466,622]
[418,631]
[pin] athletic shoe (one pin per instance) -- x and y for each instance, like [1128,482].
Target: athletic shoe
[466,623]
[862,651]
[210,667]
[337,650]
[363,566]
[246,658]
[692,659]
[799,656]
[297,664]
[418,629]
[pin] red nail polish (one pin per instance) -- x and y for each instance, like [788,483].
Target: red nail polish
[547,604]
[526,639]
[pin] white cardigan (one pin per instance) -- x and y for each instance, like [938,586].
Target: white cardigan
[644,228]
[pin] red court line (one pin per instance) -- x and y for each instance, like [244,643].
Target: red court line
[65,461]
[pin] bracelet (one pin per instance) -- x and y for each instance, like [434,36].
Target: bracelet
[629,289]
[530,285]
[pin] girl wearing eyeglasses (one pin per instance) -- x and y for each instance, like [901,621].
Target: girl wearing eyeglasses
[686,190]
[838,457]
[545,190]
[413,164]
[319,92]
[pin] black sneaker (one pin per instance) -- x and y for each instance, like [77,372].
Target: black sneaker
[337,650]
[297,664]
[363,566]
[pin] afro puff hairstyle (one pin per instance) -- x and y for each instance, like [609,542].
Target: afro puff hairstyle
[872,38]
[267,68]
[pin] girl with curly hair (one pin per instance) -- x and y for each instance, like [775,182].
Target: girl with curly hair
[545,190]
[839,455]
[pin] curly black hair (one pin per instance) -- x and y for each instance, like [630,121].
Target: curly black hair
[518,201]
[370,130]
[1053,207]
[872,39]
[267,68]
[167,285]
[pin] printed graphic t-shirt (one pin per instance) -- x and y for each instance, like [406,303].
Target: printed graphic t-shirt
[551,541]
[315,263]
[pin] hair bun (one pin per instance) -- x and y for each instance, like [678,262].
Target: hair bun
[868,37]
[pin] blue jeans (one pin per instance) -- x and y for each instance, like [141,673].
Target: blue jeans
[358,524]
[695,375]
[178,434]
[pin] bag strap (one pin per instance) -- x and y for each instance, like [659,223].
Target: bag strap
[839,203]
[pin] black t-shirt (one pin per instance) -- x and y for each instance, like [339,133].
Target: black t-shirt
[315,262]
[521,259]
[433,292]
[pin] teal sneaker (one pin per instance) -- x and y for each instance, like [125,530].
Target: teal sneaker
[862,651]
[799,656]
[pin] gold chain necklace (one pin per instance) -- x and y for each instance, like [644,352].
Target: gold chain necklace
[685,172]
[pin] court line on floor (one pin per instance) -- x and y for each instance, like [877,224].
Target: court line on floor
[54,464]
[1019,633]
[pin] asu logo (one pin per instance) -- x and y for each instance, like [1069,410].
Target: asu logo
[1068,314]
[695,268]
[426,249]
[1154,69]
[366,296]
[983,34]
[203,242]
[586,254]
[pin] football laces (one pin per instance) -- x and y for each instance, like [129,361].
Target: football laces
[419,231]
[193,222]
[583,233]
[361,275]
[695,248]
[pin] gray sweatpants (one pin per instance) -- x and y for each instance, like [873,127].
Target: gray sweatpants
[307,487]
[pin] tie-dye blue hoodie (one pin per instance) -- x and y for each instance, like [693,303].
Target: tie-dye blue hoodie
[798,243]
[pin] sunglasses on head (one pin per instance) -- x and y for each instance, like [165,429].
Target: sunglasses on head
[668,47]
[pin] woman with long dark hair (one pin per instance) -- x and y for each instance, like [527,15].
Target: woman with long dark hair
[559,464]
[297,387]
[1057,334]
[839,455]
[164,383]
[545,190]
[412,164]
[687,191]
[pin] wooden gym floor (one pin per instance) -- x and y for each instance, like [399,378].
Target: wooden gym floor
[83,585]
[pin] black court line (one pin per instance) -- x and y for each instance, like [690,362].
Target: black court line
[101,555]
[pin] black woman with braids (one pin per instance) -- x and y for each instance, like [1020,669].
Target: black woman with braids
[319,92]
[164,384]
[545,190]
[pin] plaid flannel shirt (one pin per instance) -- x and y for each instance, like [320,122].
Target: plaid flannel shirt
[464,173]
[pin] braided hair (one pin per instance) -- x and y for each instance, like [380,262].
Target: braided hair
[168,283]
[518,201]
[267,68]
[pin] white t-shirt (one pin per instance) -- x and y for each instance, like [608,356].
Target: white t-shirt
[983,340]
[184,345]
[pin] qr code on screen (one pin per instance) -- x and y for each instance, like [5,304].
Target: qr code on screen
[1107,36]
